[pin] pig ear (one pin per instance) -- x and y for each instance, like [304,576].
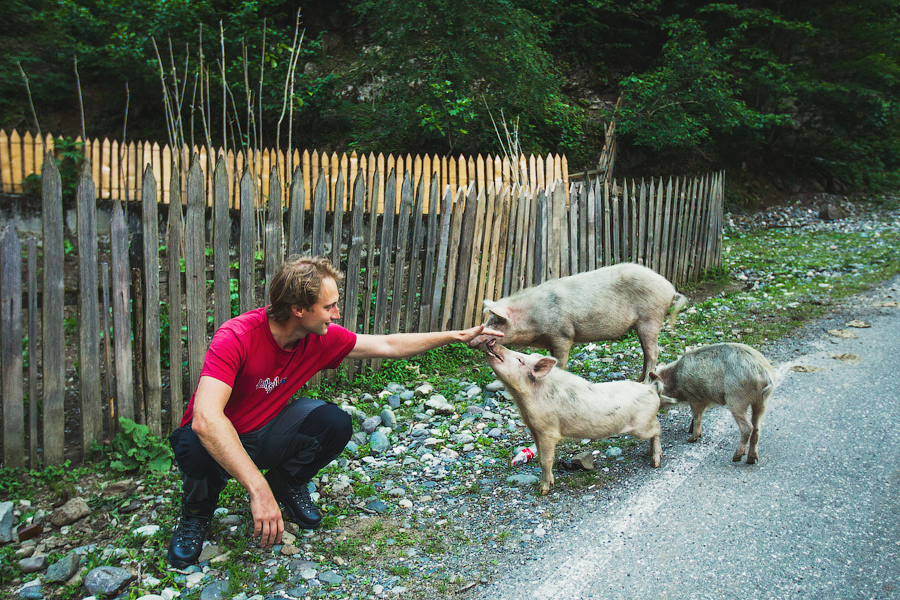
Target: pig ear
[654,376]
[543,366]
[488,304]
[500,311]
[663,399]
[495,318]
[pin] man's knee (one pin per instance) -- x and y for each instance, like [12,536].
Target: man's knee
[331,423]
[192,458]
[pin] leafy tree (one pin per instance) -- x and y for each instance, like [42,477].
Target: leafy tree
[802,87]
[439,68]
[787,86]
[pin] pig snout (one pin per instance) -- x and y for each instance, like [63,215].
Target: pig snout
[486,344]
[481,341]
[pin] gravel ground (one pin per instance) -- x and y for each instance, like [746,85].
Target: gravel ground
[436,512]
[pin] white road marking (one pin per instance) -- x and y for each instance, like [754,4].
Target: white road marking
[570,579]
[609,533]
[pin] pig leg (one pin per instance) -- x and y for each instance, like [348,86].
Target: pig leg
[651,431]
[546,445]
[648,335]
[654,451]
[756,419]
[697,409]
[746,427]
[560,349]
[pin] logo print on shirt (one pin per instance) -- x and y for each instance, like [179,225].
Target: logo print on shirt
[269,384]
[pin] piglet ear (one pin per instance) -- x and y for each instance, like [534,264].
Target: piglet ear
[663,399]
[654,376]
[543,366]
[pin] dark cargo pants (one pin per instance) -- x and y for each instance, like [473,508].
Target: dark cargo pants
[304,437]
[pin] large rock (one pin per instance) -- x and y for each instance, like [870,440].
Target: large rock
[831,212]
[371,424]
[120,489]
[388,418]
[63,570]
[33,564]
[379,443]
[6,522]
[108,581]
[71,511]
[31,591]
[440,405]
[215,591]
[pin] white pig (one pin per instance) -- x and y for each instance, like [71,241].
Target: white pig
[730,374]
[556,404]
[604,304]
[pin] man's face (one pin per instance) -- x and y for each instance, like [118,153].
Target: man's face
[317,318]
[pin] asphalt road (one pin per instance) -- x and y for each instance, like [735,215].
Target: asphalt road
[817,517]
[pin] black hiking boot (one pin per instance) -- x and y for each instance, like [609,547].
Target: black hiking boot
[298,506]
[187,539]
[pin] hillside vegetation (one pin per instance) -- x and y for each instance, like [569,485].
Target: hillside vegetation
[780,94]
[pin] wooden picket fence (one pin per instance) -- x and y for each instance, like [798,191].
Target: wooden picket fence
[118,175]
[425,262]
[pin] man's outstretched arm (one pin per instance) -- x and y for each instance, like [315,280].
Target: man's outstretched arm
[403,345]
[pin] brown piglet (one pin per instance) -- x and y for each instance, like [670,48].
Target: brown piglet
[730,374]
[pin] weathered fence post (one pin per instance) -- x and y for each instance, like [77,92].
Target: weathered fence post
[466,256]
[11,347]
[274,227]
[247,252]
[53,339]
[195,269]
[399,253]
[176,347]
[297,208]
[152,369]
[416,240]
[33,458]
[221,244]
[121,301]
[88,311]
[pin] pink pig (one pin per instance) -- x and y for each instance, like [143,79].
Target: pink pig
[604,304]
[556,404]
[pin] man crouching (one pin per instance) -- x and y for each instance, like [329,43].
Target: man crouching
[240,420]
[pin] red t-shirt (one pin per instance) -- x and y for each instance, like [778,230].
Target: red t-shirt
[263,375]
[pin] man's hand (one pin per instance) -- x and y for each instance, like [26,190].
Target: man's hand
[470,334]
[403,345]
[268,524]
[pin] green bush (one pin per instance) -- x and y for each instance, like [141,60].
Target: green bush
[135,448]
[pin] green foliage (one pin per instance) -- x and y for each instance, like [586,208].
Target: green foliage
[690,99]
[69,156]
[445,113]
[440,66]
[10,483]
[9,568]
[805,88]
[134,447]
